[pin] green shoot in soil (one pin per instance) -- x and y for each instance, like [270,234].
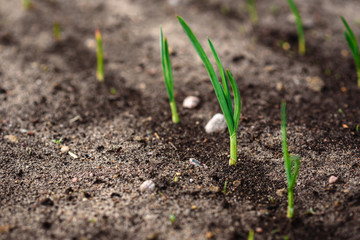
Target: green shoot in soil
[292,163]
[251,235]
[299,26]
[100,59]
[57,141]
[225,186]
[252,11]
[354,47]
[26,4]
[57,31]
[168,76]
[172,218]
[232,116]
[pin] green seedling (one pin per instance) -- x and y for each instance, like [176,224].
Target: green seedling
[168,76]
[354,47]
[172,218]
[100,56]
[27,5]
[57,31]
[252,11]
[251,235]
[225,186]
[292,163]
[299,27]
[232,116]
[57,141]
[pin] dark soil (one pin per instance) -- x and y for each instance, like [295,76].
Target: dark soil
[48,91]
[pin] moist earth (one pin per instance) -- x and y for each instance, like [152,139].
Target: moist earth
[75,151]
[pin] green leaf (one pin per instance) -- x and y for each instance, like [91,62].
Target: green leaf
[213,78]
[223,77]
[166,65]
[295,160]
[287,160]
[237,99]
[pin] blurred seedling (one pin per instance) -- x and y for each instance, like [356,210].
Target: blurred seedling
[232,116]
[292,163]
[225,186]
[57,141]
[27,4]
[252,11]
[100,56]
[57,31]
[354,47]
[251,235]
[172,218]
[299,26]
[168,76]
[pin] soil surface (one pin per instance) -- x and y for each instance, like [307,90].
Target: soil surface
[118,139]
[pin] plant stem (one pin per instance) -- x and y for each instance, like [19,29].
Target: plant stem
[175,116]
[358,74]
[302,48]
[100,59]
[233,150]
[252,11]
[290,209]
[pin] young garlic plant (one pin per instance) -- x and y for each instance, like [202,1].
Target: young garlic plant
[168,76]
[232,116]
[299,27]
[292,163]
[100,56]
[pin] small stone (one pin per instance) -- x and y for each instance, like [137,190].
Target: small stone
[11,138]
[209,235]
[332,179]
[216,124]
[173,3]
[236,183]
[270,69]
[259,230]
[73,155]
[191,180]
[152,236]
[74,180]
[280,192]
[279,86]
[195,162]
[64,149]
[90,43]
[214,189]
[23,130]
[315,83]
[147,186]
[191,102]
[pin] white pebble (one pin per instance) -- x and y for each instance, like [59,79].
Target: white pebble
[216,124]
[147,186]
[191,102]
[64,149]
[332,179]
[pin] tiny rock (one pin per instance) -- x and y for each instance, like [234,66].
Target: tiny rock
[11,138]
[216,124]
[191,102]
[270,69]
[315,83]
[280,192]
[333,179]
[64,149]
[195,162]
[147,186]
[74,180]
